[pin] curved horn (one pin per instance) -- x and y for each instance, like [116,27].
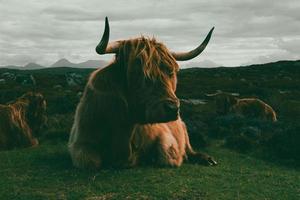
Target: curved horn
[104,47]
[182,56]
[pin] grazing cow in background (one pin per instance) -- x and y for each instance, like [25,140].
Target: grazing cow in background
[138,87]
[249,107]
[21,121]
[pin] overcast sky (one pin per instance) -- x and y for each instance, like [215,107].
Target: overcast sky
[246,32]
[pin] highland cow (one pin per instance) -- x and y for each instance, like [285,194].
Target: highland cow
[21,121]
[249,107]
[138,87]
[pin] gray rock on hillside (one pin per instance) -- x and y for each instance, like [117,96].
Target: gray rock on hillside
[25,79]
[74,79]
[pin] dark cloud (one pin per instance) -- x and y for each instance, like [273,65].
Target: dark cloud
[246,31]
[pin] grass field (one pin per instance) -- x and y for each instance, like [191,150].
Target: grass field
[46,172]
[257,160]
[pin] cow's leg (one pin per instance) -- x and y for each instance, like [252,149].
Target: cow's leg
[142,147]
[201,158]
[34,142]
[84,156]
[120,149]
[197,157]
[168,151]
[84,153]
[22,137]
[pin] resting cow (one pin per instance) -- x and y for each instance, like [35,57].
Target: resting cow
[249,107]
[138,87]
[21,121]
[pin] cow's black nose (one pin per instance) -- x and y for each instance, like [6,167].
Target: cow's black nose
[171,108]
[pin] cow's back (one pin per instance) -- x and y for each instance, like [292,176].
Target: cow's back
[256,108]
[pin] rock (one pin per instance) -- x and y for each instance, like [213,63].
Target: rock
[2,81]
[25,79]
[58,87]
[8,76]
[284,91]
[74,79]
[194,101]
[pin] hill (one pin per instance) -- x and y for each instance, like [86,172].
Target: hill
[60,63]
[87,64]
[32,66]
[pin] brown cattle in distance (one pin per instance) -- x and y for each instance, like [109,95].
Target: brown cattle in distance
[250,107]
[21,121]
[138,87]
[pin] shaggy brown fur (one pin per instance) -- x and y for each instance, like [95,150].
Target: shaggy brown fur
[165,144]
[249,107]
[253,107]
[20,122]
[135,89]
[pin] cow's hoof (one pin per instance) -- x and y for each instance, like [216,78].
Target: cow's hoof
[211,161]
[203,159]
[34,142]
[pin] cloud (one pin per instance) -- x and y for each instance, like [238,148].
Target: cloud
[246,31]
[205,64]
[287,49]
[289,45]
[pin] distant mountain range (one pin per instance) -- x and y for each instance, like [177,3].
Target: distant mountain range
[32,66]
[87,64]
[101,63]
[61,63]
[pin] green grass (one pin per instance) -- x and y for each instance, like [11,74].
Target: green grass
[46,172]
